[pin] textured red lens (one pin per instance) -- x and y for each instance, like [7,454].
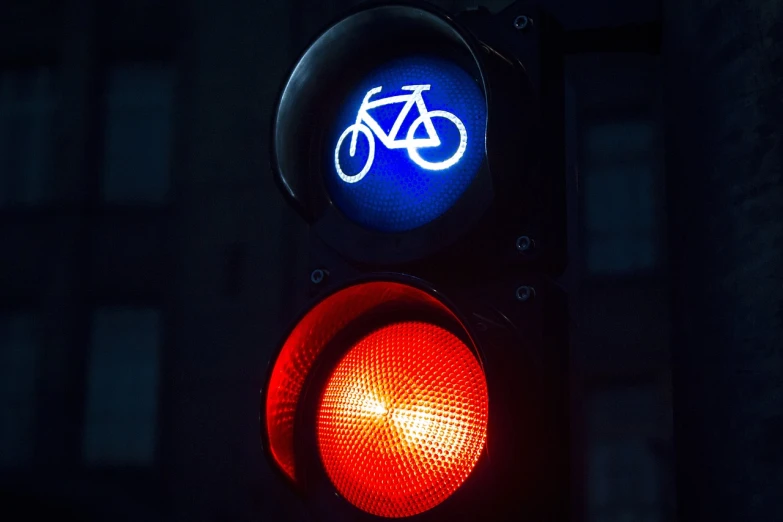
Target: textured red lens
[304,345]
[403,419]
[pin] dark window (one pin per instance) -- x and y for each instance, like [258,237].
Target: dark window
[624,476]
[122,388]
[19,360]
[620,160]
[26,136]
[138,134]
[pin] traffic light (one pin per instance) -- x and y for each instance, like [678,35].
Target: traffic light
[427,373]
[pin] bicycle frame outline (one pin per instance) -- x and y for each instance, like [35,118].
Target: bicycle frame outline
[390,140]
[367,125]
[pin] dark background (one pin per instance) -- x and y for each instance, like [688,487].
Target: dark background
[145,254]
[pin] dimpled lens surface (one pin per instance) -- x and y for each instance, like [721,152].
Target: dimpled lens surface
[304,345]
[403,419]
[393,187]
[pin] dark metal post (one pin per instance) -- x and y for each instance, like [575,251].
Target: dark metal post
[724,74]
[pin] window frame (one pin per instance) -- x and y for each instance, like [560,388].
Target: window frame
[25,307]
[45,105]
[142,481]
[102,198]
[628,112]
[658,443]
[133,301]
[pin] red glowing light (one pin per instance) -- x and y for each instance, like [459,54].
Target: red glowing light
[403,419]
[304,345]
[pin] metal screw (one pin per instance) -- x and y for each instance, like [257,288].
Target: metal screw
[525,293]
[522,22]
[524,243]
[317,276]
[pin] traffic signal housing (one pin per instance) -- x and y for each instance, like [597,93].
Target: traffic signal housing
[358,126]
[425,376]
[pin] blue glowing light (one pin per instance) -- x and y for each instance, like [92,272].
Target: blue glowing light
[406,144]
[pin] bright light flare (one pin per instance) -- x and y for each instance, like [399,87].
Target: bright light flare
[403,418]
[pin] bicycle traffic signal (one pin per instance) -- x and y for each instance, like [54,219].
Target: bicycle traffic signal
[427,374]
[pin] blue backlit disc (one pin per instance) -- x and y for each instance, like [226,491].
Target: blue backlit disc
[408,140]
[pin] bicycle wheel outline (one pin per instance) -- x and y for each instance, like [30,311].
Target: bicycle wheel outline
[364,129]
[413,152]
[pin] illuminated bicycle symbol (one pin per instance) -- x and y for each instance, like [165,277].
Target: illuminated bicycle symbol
[366,125]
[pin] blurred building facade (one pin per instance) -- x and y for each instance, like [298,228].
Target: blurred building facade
[145,255]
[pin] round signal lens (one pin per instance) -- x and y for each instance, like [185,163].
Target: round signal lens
[407,143]
[402,420]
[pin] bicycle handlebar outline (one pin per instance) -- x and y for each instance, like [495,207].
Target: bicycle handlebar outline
[390,140]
